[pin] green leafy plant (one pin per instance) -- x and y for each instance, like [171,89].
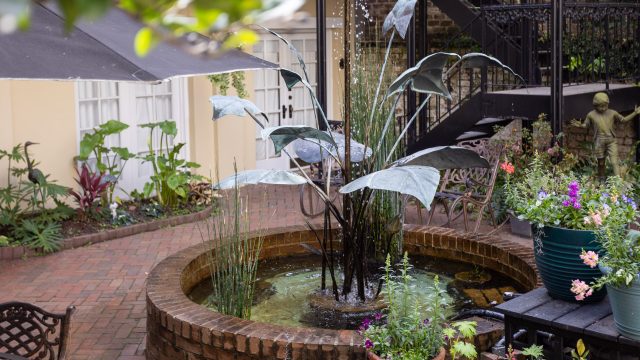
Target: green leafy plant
[232,258]
[40,235]
[110,161]
[407,332]
[534,352]
[459,337]
[171,175]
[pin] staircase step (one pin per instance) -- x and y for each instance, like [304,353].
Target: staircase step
[490,120]
[471,134]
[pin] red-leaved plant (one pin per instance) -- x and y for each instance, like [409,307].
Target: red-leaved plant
[92,186]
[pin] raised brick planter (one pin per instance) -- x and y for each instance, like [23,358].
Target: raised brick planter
[19,252]
[178,328]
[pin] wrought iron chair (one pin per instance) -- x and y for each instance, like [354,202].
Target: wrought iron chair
[29,332]
[461,189]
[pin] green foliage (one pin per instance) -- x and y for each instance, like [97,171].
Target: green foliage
[109,160]
[406,334]
[236,79]
[4,241]
[233,257]
[534,352]
[25,217]
[223,21]
[40,235]
[171,175]
[460,340]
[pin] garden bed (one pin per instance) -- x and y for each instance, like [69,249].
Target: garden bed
[79,234]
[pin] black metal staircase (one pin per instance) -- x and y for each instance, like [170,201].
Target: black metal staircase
[602,53]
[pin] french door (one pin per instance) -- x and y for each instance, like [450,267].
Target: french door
[283,107]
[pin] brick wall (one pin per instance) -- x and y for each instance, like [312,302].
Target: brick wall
[579,141]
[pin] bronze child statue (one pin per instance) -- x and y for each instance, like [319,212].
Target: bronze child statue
[603,120]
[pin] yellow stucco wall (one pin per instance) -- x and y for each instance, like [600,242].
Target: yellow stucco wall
[42,112]
[214,145]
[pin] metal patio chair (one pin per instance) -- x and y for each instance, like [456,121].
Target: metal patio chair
[466,191]
[29,332]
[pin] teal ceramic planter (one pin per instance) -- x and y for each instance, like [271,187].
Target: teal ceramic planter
[625,305]
[557,253]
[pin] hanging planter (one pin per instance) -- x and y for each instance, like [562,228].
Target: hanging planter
[556,253]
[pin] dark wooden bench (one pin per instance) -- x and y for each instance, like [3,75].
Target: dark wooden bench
[29,332]
[567,322]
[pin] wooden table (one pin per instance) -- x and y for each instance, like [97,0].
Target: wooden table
[567,322]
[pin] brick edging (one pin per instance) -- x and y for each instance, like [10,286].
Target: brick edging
[19,252]
[178,328]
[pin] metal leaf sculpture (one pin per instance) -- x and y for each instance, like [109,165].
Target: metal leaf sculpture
[477,60]
[400,17]
[310,150]
[418,181]
[444,157]
[232,105]
[284,135]
[261,176]
[426,77]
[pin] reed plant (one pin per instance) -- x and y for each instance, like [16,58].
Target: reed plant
[385,209]
[232,257]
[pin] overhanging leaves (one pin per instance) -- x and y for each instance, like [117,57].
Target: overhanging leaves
[426,77]
[418,181]
[284,135]
[261,176]
[444,157]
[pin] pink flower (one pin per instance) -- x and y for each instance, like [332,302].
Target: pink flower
[508,167]
[597,219]
[581,289]
[589,258]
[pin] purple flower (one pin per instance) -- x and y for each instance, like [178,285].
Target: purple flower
[566,203]
[377,316]
[368,344]
[542,195]
[574,187]
[366,322]
[425,322]
[576,205]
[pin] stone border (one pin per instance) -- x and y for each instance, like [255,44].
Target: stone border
[178,328]
[18,252]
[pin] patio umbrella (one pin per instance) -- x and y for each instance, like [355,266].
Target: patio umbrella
[103,50]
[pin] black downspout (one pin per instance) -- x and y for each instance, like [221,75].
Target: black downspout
[557,99]
[321,68]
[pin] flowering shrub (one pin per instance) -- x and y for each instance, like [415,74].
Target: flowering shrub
[621,264]
[403,333]
[561,199]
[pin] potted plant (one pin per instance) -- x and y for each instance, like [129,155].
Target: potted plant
[411,330]
[620,266]
[521,145]
[566,211]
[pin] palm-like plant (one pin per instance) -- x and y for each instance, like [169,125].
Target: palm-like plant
[416,175]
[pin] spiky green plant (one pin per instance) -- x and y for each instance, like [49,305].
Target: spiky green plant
[232,257]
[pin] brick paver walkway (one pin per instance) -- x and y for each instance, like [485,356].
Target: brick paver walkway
[106,281]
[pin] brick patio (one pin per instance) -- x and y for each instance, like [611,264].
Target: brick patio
[106,281]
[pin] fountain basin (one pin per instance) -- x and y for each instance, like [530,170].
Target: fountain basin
[178,328]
